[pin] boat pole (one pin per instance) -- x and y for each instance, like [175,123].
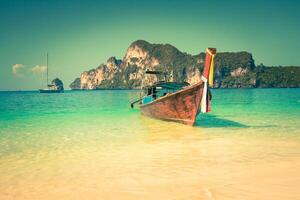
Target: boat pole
[47,69]
[132,103]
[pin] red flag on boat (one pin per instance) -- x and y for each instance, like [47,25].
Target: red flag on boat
[207,77]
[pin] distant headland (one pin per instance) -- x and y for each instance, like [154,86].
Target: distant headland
[232,69]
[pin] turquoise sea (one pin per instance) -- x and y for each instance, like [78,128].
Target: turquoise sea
[92,145]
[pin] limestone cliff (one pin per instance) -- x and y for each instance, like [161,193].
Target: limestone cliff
[232,69]
[93,78]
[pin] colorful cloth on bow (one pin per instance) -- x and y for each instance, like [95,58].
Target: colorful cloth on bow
[207,78]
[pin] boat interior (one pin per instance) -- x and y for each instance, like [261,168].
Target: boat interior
[161,89]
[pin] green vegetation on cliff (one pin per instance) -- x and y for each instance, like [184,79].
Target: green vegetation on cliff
[232,69]
[280,77]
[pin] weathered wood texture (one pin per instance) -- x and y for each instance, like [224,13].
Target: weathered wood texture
[181,106]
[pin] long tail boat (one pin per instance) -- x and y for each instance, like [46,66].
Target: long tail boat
[179,102]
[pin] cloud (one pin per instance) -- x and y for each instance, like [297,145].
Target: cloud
[38,69]
[16,69]
[21,71]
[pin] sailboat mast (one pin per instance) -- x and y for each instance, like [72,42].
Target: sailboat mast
[47,69]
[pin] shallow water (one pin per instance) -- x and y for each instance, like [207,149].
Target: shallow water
[91,145]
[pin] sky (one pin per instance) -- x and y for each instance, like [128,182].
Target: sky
[82,34]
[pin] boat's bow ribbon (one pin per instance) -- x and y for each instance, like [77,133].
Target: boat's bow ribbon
[207,77]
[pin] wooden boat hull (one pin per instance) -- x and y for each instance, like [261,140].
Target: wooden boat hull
[51,91]
[181,106]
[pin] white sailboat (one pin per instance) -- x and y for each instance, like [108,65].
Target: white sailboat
[51,88]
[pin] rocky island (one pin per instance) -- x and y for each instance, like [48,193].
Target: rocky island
[57,84]
[232,69]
